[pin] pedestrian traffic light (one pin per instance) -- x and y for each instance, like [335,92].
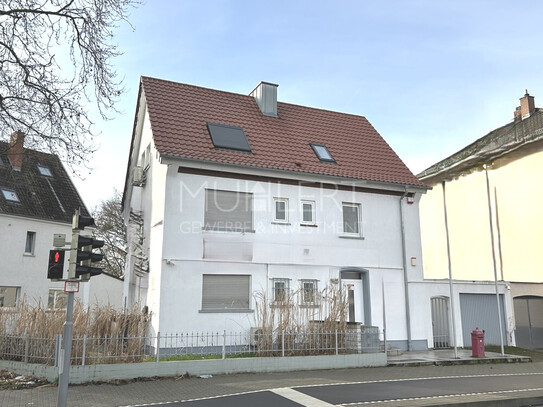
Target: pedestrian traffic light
[56,264]
[85,257]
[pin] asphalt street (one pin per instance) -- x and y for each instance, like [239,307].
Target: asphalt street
[408,386]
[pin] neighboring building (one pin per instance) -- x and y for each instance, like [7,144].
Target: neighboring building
[38,200]
[492,192]
[229,195]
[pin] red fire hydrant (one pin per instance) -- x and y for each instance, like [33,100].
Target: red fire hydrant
[477,343]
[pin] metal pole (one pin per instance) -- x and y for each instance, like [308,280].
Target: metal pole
[66,353]
[451,294]
[384,319]
[224,344]
[405,274]
[337,350]
[494,259]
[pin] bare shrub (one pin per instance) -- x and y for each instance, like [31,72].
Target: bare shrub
[295,328]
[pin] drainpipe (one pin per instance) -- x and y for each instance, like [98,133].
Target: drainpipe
[494,258]
[405,280]
[451,293]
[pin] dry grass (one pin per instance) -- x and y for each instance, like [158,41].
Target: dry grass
[298,328]
[35,329]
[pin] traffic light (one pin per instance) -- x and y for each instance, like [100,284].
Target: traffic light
[56,264]
[85,257]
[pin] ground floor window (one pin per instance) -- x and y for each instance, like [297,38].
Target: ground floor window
[8,296]
[309,292]
[225,292]
[280,290]
[57,299]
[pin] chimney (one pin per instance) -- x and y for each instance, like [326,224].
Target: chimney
[265,95]
[15,152]
[527,106]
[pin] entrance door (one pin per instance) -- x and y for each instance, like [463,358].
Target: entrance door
[440,321]
[529,322]
[355,299]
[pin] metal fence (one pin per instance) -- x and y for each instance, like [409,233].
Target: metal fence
[190,346]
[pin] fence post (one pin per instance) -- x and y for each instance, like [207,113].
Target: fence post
[84,349]
[158,346]
[27,343]
[58,341]
[283,343]
[337,350]
[224,344]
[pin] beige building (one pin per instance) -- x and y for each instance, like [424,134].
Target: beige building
[486,202]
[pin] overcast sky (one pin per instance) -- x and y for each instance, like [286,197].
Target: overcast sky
[431,76]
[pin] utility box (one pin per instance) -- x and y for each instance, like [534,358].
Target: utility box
[477,343]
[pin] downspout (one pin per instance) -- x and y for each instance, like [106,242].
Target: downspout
[494,259]
[449,265]
[405,280]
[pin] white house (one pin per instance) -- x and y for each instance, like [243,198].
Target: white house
[229,195]
[37,200]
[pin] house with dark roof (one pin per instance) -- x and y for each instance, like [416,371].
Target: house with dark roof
[237,202]
[38,200]
[486,203]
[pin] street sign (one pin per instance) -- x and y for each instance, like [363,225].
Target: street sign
[71,286]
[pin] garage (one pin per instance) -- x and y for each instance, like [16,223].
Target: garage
[480,311]
[529,321]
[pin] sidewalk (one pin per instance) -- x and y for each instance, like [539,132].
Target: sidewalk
[448,357]
[407,366]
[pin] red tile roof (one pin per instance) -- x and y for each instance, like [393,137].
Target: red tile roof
[179,113]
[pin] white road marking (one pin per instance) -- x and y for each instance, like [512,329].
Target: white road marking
[300,398]
[366,403]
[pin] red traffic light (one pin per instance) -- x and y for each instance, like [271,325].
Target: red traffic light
[56,264]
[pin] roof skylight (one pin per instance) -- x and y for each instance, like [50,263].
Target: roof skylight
[322,153]
[44,170]
[10,195]
[229,137]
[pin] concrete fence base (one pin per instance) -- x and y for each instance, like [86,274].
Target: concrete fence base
[127,371]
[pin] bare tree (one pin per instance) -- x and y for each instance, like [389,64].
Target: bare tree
[55,57]
[110,228]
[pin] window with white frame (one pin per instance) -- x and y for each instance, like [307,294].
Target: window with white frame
[10,195]
[225,292]
[280,210]
[8,296]
[308,213]
[351,219]
[57,299]
[228,211]
[309,292]
[280,290]
[30,242]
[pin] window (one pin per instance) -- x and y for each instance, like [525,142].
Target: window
[322,153]
[44,170]
[351,219]
[228,137]
[280,289]
[225,292]
[280,210]
[58,299]
[308,213]
[8,296]
[10,195]
[30,242]
[228,211]
[309,292]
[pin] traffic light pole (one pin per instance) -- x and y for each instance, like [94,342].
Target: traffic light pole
[66,353]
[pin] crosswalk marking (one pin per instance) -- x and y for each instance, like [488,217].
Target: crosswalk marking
[300,398]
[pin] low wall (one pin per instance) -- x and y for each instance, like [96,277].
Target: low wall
[126,371]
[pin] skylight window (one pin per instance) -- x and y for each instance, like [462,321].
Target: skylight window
[44,170]
[322,153]
[10,195]
[228,137]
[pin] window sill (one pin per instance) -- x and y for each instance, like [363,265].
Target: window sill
[356,237]
[276,222]
[226,311]
[308,225]
[315,306]
[29,254]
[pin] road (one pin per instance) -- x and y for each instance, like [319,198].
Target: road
[399,392]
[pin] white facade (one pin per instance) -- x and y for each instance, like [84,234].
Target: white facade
[180,251]
[25,273]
